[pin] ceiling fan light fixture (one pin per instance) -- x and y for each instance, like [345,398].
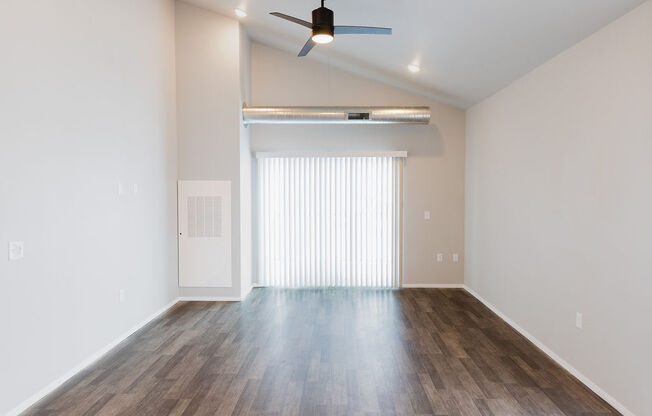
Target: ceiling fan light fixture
[414,68]
[240,13]
[324,29]
[322,38]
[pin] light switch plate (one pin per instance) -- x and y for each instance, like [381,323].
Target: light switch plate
[123,296]
[120,189]
[578,320]
[426,215]
[456,258]
[16,250]
[440,257]
[135,188]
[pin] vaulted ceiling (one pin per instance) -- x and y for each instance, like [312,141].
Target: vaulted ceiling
[467,49]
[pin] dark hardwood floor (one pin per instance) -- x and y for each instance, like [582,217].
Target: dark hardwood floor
[327,352]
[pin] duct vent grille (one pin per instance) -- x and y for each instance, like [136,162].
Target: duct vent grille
[204,216]
[358,116]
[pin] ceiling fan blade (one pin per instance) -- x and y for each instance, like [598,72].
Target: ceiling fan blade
[362,30]
[307,47]
[292,19]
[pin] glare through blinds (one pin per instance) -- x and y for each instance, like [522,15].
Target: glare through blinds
[330,221]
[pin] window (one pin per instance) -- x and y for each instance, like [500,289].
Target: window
[330,221]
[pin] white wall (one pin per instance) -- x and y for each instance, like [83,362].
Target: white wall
[559,196]
[434,172]
[87,100]
[211,137]
[246,234]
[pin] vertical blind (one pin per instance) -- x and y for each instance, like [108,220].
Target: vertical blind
[330,221]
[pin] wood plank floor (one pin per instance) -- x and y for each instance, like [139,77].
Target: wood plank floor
[327,352]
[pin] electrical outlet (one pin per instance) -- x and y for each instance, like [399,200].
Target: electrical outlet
[426,215]
[440,257]
[123,296]
[456,258]
[16,250]
[578,320]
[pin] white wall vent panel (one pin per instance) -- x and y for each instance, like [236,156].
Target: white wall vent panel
[204,233]
[204,216]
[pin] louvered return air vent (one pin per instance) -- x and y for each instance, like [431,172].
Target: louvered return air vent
[335,115]
[204,216]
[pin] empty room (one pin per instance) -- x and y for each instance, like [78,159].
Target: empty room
[326,207]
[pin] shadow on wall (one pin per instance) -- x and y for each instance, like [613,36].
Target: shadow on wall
[417,140]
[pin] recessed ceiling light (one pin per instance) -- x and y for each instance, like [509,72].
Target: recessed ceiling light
[240,13]
[414,68]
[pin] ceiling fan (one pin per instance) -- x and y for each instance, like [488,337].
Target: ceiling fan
[323,29]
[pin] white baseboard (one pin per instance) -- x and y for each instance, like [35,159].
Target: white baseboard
[85,363]
[209,299]
[581,377]
[412,285]
[433,285]
[246,292]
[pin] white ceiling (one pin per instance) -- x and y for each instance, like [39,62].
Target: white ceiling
[467,49]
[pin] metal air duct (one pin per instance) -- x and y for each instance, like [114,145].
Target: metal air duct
[335,115]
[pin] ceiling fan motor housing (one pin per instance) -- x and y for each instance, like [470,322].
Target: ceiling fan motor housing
[322,22]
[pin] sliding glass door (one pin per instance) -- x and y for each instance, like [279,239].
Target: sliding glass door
[330,221]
